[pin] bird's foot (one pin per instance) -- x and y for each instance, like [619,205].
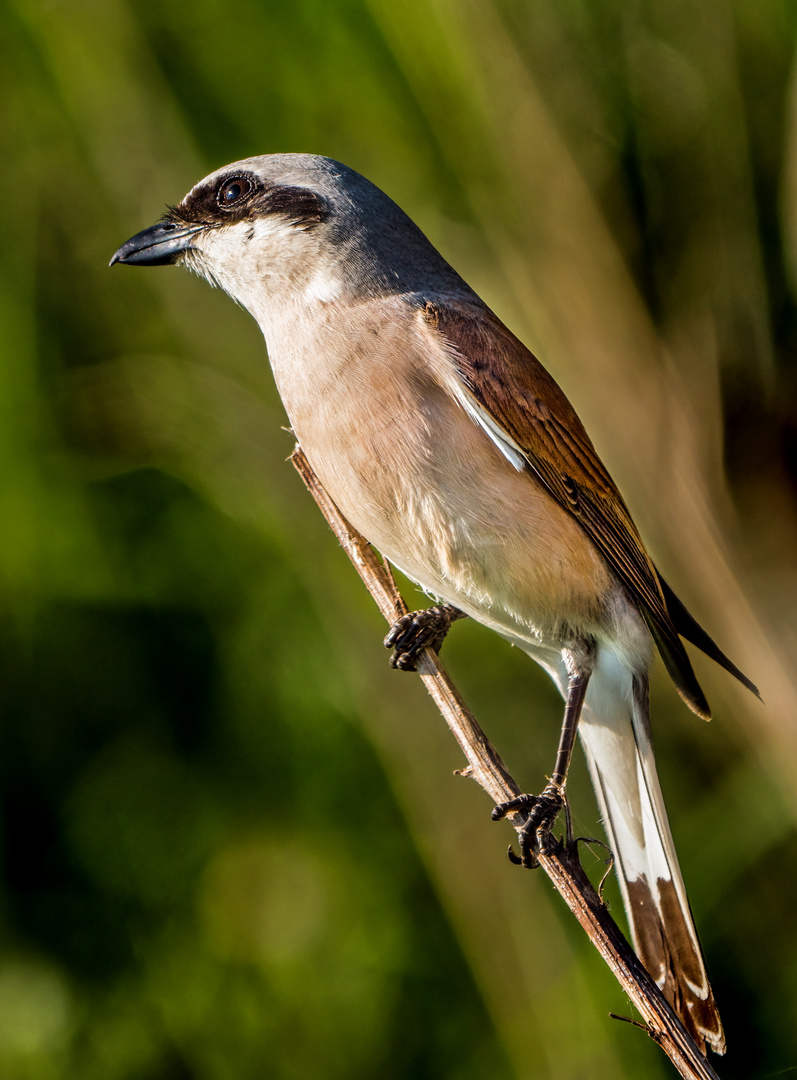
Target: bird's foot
[419,630]
[535,835]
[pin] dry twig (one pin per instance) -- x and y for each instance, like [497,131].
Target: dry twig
[560,863]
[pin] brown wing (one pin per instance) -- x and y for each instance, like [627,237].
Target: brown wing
[521,398]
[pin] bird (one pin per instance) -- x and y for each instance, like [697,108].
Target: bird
[449,447]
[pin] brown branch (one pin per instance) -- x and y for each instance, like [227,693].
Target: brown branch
[560,863]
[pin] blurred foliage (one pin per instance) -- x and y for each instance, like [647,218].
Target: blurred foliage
[232,846]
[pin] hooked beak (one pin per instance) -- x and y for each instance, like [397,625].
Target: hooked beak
[159,245]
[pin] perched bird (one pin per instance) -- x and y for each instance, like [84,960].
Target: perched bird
[447,444]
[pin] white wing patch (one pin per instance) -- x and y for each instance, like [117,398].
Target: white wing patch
[502,439]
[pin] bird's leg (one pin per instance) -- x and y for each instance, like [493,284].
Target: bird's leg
[418,630]
[543,809]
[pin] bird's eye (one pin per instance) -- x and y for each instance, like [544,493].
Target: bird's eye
[234,191]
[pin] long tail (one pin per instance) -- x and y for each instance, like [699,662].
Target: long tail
[615,732]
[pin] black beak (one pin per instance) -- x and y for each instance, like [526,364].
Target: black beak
[158,245]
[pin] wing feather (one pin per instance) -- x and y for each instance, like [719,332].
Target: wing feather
[502,378]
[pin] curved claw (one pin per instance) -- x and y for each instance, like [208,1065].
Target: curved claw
[513,858]
[527,859]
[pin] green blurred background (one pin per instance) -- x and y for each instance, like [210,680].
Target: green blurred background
[233,845]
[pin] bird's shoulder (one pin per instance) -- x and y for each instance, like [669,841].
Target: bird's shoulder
[510,383]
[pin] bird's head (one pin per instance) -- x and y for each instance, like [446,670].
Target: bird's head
[292,226]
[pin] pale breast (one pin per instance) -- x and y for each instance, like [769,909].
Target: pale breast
[419,479]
